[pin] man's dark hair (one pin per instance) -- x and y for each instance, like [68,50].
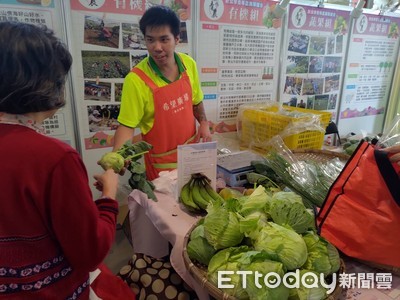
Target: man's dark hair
[160,15]
[33,67]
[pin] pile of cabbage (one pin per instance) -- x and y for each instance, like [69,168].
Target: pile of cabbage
[264,232]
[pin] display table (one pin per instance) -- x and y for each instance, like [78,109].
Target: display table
[156,224]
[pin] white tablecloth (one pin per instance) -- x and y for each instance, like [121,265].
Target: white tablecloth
[154,224]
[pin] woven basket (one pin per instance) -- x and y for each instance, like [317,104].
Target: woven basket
[321,156]
[199,273]
[386,268]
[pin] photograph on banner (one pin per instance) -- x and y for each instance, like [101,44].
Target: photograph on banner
[317,102]
[331,45]
[298,43]
[313,66]
[137,56]
[332,101]
[298,101]
[102,117]
[183,34]
[297,64]
[332,64]
[317,45]
[293,85]
[132,37]
[101,32]
[100,91]
[118,91]
[313,86]
[105,64]
[332,83]
[321,102]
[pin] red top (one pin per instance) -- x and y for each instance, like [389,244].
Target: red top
[52,234]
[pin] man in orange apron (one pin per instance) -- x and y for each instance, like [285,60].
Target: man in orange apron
[162,95]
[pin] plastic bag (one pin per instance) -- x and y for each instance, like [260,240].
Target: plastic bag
[391,136]
[309,179]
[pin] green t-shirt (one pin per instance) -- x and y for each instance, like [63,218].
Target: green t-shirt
[137,104]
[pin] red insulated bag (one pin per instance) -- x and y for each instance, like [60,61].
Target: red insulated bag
[361,213]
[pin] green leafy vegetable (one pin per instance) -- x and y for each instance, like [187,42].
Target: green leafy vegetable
[292,213]
[221,227]
[322,256]
[228,260]
[316,292]
[198,248]
[112,160]
[285,243]
[132,152]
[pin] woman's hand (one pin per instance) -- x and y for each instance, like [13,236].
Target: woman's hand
[394,153]
[107,183]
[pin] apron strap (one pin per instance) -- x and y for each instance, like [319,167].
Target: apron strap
[170,165]
[145,78]
[165,166]
[173,150]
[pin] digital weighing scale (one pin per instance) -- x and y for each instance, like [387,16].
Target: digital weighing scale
[233,167]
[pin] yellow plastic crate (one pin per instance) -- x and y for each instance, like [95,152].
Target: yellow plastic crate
[305,140]
[258,126]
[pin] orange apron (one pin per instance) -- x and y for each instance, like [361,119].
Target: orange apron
[173,123]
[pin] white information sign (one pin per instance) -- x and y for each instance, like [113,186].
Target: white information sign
[372,56]
[197,158]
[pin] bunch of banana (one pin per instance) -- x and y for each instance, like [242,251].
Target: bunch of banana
[197,193]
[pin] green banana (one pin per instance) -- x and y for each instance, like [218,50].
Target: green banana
[186,197]
[204,192]
[212,193]
[196,195]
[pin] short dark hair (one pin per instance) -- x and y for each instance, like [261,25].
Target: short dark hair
[160,15]
[33,67]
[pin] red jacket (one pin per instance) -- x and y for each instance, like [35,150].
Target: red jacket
[52,234]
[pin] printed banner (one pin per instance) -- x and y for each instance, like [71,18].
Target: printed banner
[238,57]
[131,7]
[315,48]
[371,61]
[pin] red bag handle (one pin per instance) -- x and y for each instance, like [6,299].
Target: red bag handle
[389,174]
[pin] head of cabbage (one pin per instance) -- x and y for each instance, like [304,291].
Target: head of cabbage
[323,257]
[244,259]
[221,226]
[112,160]
[291,212]
[198,248]
[313,290]
[285,243]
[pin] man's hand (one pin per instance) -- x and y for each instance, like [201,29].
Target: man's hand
[203,133]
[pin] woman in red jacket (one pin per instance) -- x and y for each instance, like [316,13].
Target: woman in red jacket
[52,234]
